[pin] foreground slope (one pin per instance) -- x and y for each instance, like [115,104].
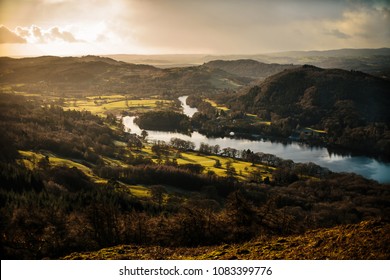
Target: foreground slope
[362,241]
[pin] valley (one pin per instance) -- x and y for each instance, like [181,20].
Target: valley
[97,153]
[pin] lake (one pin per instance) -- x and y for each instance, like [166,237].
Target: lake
[298,152]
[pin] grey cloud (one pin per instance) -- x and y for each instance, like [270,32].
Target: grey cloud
[9,37]
[249,26]
[338,34]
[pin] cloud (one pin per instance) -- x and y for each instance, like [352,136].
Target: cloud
[364,26]
[22,32]
[249,26]
[101,38]
[35,34]
[56,34]
[9,37]
[338,34]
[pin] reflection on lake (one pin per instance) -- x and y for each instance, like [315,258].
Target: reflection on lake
[298,152]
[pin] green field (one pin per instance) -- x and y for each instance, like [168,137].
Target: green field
[114,104]
[243,168]
[30,160]
[215,105]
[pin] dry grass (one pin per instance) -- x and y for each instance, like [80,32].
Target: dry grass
[365,240]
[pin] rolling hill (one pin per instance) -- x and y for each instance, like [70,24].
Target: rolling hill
[80,75]
[248,68]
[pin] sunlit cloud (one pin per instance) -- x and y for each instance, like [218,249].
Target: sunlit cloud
[35,34]
[9,37]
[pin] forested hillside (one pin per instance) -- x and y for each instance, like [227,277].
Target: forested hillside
[351,107]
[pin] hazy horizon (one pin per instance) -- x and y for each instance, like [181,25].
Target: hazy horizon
[200,55]
[187,27]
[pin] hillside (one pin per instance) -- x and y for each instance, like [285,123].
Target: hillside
[82,75]
[352,107]
[248,68]
[362,241]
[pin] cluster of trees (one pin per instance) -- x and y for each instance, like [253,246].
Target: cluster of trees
[219,123]
[185,177]
[181,144]
[209,149]
[74,134]
[163,120]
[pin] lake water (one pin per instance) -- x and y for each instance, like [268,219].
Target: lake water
[187,110]
[298,152]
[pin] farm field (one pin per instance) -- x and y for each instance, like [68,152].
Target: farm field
[114,104]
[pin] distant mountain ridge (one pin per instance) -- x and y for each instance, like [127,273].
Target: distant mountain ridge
[337,53]
[249,68]
[373,61]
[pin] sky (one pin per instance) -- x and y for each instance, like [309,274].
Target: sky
[75,27]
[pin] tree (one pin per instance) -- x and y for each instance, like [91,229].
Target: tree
[44,162]
[255,176]
[157,193]
[241,214]
[230,170]
[134,142]
[217,163]
[216,149]
[181,144]
[144,134]
[160,148]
